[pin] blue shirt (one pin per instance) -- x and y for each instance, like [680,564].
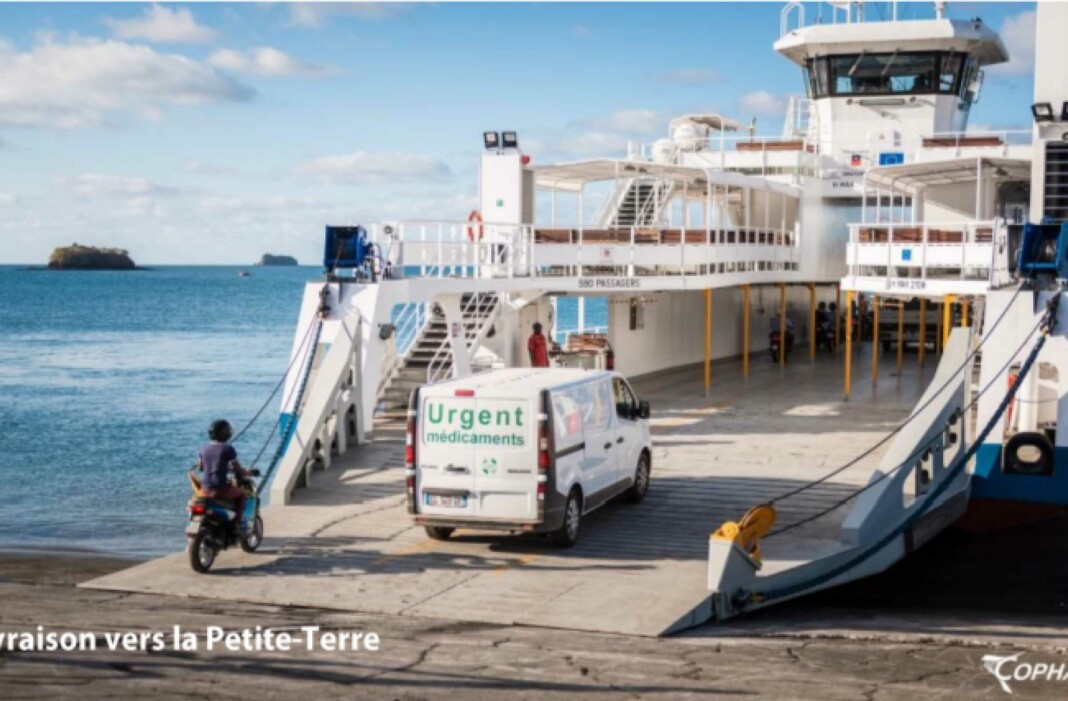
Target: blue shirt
[215,459]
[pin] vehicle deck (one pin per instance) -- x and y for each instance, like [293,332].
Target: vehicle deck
[347,542]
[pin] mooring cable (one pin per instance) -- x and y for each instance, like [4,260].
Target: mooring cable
[871,449]
[278,386]
[915,454]
[1046,326]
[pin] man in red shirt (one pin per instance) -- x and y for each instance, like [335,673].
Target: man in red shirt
[538,348]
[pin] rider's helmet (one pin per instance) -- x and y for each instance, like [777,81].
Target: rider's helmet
[220,430]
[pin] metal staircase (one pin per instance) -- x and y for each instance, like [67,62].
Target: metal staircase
[430,357]
[639,203]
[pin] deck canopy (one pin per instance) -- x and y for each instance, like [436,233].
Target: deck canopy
[912,177]
[574,176]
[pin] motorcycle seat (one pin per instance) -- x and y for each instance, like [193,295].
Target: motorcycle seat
[224,503]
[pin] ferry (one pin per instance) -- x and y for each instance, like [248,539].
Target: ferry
[773,475]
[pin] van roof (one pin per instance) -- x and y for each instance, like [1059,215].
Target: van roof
[510,381]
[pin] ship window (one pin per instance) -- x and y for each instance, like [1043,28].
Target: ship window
[949,72]
[895,73]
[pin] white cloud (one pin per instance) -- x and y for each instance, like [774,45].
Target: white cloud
[101,184]
[163,25]
[80,81]
[268,203]
[8,199]
[1018,34]
[362,166]
[266,61]
[316,14]
[580,30]
[689,76]
[762,102]
[631,122]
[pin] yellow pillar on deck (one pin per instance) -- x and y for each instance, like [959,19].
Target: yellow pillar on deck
[837,316]
[923,329]
[745,330]
[874,338]
[938,333]
[849,344]
[900,332]
[708,340]
[963,313]
[782,324]
[947,317]
[811,321]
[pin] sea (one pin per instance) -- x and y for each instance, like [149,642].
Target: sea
[108,381]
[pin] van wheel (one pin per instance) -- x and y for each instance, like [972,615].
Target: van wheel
[439,532]
[640,488]
[567,534]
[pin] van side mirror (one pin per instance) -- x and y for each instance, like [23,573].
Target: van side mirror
[643,410]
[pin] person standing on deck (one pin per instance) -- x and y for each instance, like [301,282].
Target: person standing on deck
[538,348]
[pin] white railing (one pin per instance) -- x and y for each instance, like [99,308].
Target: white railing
[798,115]
[505,251]
[441,364]
[792,10]
[454,249]
[408,324]
[855,154]
[560,335]
[606,212]
[974,251]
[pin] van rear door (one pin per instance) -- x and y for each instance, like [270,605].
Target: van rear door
[477,457]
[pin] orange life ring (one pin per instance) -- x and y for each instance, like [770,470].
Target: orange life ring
[474,216]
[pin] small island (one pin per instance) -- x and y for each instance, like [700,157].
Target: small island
[77,257]
[269,259]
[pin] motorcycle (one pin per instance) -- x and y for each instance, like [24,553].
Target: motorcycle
[214,525]
[773,343]
[825,336]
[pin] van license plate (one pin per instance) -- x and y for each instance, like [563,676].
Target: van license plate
[446,500]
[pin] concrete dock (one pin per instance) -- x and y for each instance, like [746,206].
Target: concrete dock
[347,543]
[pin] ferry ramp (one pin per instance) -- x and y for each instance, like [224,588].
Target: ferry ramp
[347,543]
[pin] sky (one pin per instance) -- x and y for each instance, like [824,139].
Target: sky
[212,133]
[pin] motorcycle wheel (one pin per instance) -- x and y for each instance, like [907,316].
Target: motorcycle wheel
[202,551]
[251,542]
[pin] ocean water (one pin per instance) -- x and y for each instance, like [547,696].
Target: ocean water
[108,381]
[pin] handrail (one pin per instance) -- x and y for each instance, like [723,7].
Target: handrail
[439,362]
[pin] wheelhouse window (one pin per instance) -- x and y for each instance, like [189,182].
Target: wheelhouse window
[896,73]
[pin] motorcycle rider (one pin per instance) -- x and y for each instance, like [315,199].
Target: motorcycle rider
[217,459]
[823,317]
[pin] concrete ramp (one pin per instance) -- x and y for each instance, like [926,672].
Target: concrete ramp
[368,557]
[346,542]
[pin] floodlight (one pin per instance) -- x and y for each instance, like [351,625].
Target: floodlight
[1042,111]
[491,139]
[509,139]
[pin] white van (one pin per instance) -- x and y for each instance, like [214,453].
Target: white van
[524,449]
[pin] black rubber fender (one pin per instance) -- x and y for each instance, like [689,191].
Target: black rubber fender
[1011,462]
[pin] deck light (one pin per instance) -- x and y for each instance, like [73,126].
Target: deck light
[1042,111]
[491,139]
[509,139]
